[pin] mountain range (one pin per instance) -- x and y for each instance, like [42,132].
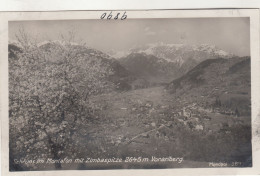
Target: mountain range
[177,53]
[182,66]
[161,62]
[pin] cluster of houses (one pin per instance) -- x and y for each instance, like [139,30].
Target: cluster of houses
[191,118]
[225,111]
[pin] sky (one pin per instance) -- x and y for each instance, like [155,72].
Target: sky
[229,34]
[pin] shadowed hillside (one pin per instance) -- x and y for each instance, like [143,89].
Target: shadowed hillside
[217,83]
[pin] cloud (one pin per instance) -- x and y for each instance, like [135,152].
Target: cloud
[148,31]
[162,31]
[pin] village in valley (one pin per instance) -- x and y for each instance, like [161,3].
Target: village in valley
[140,117]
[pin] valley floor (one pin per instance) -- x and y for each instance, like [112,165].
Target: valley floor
[149,122]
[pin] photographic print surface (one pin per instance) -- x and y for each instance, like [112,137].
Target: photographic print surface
[129,94]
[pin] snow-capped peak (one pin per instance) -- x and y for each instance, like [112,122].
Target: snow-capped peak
[176,53]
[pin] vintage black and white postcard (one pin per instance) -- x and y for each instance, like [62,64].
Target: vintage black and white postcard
[140,92]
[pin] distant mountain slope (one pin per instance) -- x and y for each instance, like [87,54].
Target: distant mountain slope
[226,81]
[194,77]
[46,45]
[213,71]
[150,67]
